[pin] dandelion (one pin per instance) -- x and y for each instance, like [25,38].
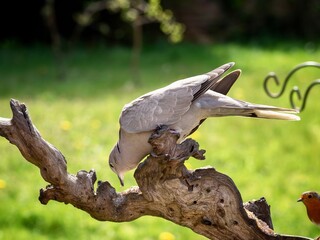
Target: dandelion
[78,145]
[166,236]
[65,125]
[95,124]
[2,184]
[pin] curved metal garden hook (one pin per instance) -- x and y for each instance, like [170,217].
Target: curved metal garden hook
[295,90]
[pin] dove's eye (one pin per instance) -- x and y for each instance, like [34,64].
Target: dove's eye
[110,164]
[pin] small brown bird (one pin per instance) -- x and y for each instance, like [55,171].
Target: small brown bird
[312,202]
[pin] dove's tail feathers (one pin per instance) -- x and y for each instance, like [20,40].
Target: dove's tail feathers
[214,104]
[255,111]
[283,114]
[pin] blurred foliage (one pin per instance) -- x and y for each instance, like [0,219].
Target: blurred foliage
[219,20]
[135,12]
[174,30]
[204,20]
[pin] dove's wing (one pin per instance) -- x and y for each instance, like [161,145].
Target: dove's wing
[224,84]
[221,86]
[167,105]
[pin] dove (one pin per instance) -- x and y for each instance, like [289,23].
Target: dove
[182,106]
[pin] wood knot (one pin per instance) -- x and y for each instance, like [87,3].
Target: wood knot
[206,221]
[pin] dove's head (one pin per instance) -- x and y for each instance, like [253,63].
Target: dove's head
[117,164]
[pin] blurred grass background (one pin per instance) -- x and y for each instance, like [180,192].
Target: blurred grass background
[79,115]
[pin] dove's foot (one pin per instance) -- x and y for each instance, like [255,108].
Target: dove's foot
[163,128]
[163,141]
[164,144]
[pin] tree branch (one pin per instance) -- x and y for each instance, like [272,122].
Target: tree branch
[204,200]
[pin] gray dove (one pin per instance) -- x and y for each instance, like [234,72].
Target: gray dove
[182,106]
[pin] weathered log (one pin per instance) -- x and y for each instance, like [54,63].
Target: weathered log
[204,200]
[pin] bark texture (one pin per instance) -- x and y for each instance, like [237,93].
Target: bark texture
[204,200]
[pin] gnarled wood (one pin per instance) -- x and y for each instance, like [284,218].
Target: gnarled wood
[204,200]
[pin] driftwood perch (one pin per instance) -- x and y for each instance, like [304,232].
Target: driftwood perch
[204,200]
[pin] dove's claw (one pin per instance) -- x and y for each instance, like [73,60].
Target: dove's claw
[174,132]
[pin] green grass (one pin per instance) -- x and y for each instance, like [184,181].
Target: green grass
[79,115]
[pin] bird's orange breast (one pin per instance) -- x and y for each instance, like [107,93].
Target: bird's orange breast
[313,210]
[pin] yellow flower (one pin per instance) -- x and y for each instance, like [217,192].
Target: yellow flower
[95,124]
[78,145]
[2,183]
[65,125]
[166,236]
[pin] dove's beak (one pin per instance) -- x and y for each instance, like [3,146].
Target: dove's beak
[120,176]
